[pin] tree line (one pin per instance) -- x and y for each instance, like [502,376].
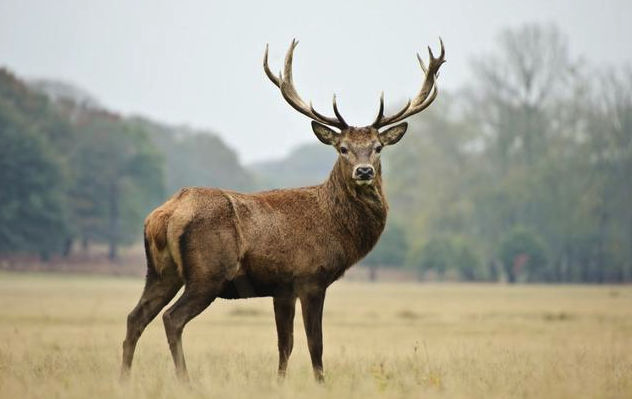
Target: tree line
[525,174]
[522,175]
[73,173]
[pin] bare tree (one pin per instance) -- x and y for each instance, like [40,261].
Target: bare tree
[515,86]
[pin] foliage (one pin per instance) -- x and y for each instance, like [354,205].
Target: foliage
[118,178]
[195,158]
[73,171]
[436,255]
[449,257]
[306,165]
[391,249]
[33,179]
[538,142]
[32,201]
[533,157]
[522,253]
[531,143]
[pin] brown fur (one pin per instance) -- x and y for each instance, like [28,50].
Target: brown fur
[287,244]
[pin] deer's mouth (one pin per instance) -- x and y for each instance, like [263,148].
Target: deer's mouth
[363,182]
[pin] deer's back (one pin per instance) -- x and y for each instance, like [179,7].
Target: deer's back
[273,239]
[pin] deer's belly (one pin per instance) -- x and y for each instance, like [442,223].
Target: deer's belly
[262,275]
[243,286]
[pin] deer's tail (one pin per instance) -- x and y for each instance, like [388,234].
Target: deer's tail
[156,239]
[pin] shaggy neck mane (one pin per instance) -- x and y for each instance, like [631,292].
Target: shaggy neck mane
[358,211]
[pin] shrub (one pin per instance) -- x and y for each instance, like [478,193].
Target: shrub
[523,256]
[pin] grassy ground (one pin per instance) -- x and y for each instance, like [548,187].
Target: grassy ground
[60,337]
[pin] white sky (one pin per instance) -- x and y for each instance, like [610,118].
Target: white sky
[199,62]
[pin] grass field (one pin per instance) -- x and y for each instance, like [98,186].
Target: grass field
[60,337]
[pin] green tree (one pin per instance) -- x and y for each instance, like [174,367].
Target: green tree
[608,152]
[195,158]
[436,256]
[390,250]
[119,178]
[523,254]
[467,261]
[450,256]
[33,202]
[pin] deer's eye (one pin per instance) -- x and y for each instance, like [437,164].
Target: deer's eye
[378,149]
[343,150]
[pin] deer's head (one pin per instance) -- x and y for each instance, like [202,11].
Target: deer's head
[359,147]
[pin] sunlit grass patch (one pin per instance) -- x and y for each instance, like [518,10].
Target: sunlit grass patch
[60,337]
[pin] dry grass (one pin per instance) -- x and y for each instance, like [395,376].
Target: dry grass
[60,337]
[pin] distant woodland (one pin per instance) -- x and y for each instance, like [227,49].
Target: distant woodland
[74,174]
[523,175]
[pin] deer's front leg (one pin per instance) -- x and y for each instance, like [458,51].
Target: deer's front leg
[312,307]
[284,316]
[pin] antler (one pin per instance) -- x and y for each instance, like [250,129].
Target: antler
[285,83]
[426,95]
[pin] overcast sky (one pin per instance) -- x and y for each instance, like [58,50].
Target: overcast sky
[199,62]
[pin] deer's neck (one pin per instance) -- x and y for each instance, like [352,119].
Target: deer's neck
[358,211]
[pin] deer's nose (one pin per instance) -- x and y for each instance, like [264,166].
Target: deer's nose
[364,172]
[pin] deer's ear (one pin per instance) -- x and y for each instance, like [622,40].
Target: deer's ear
[325,134]
[393,134]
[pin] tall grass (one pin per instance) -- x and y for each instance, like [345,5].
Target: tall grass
[60,337]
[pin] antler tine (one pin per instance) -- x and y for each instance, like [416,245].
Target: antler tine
[266,68]
[421,64]
[287,66]
[426,95]
[380,112]
[286,83]
[322,118]
[381,121]
[337,113]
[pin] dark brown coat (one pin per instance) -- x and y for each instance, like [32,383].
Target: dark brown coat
[286,244]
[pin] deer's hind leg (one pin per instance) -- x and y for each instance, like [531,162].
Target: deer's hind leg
[196,297]
[209,261]
[158,291]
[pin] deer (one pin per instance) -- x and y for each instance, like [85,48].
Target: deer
[287,244]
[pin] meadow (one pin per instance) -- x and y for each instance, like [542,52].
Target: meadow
[61,335]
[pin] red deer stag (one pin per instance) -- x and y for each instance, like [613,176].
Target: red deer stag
[286,244]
